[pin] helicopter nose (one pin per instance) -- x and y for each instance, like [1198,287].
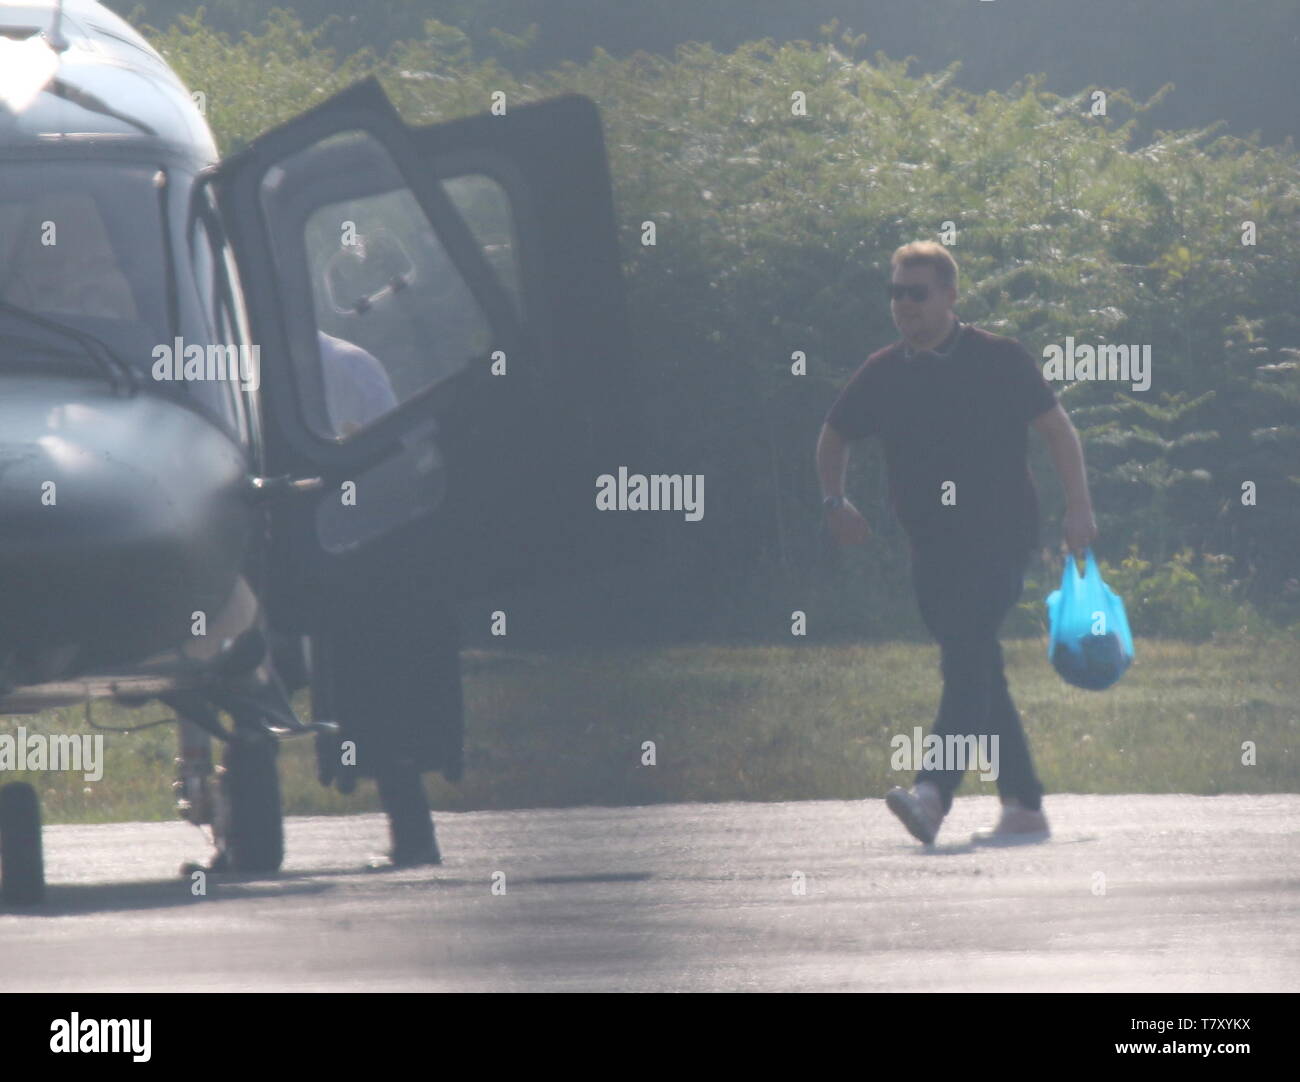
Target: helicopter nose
[119,518]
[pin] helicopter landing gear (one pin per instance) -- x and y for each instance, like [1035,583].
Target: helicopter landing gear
[240,798]
[22,866]
[248,823]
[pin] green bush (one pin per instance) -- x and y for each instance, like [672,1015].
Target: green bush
[1183,597]
[774,230]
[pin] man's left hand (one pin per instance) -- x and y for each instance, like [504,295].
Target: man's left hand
[1080,529]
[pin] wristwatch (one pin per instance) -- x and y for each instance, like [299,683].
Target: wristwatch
[832,503]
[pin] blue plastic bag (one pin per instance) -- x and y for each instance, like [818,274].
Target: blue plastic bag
[1089,644]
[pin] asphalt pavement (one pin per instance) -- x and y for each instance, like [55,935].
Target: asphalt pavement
[1132,893]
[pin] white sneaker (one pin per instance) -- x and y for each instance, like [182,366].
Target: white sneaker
[920,808]
[1017,825]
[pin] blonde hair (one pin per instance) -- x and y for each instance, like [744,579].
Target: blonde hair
[928,253]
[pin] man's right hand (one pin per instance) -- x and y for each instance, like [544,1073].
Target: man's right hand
[846,526]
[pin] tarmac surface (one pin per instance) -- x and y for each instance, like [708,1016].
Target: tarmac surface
[1132,893]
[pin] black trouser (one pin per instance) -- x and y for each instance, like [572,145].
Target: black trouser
[963,597]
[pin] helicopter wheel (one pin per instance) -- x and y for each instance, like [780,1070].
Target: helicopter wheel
[249,825]
[22,867]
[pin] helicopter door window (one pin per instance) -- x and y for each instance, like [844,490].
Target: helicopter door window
[233,328]
[487,210]
[218,323]
[388,314]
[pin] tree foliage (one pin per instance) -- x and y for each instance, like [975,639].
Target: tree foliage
[774,231]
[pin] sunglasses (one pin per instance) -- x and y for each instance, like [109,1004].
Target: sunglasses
[914,293]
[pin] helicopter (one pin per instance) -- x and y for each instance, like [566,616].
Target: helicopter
[187,485]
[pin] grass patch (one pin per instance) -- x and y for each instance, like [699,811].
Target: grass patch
[564,728]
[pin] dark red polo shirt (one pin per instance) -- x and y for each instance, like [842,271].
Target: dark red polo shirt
[959,413]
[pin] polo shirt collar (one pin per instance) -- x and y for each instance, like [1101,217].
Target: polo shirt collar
[943,350]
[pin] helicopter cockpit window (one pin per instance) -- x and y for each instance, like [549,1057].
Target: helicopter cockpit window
[81,244]
[388,314]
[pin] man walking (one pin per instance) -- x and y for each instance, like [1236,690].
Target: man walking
[952,405]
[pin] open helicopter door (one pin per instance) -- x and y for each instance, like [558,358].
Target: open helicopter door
[443,341]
